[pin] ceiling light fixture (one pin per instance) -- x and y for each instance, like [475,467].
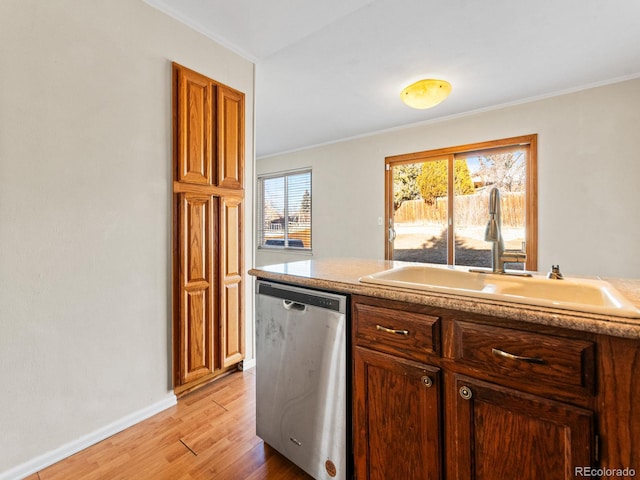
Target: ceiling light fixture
[425,93]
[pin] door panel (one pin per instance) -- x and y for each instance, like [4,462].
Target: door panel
[396,418]
[194,126]
[197,331]
[232,337]
[231,284]
[230,137]
[541,438]
[196,217]
[420,211]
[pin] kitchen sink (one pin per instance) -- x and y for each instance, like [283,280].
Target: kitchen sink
[582,295]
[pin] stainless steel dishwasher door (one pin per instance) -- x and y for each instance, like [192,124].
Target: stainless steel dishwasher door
[301,398]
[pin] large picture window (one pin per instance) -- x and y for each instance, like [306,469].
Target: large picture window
[437,202]
[284,210]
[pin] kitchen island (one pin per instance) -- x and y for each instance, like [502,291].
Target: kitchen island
[448,386]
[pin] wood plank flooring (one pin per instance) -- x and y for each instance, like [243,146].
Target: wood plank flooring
[209,434]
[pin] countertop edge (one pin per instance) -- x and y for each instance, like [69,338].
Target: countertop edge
[592,323]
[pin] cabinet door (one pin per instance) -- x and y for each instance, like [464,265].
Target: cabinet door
[232,332]
[502,433]
[230,137]
[396,418]
[193,126]
[197,219]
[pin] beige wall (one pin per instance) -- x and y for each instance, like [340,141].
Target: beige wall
[589,178]
[85,216]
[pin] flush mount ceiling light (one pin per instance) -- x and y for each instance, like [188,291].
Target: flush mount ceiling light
[426,93]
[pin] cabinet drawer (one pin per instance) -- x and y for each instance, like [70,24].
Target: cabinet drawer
[410,335]
[530,357]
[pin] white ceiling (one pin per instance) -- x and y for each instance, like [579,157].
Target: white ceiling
[333,69]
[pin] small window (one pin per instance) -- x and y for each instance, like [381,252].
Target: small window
[284,210]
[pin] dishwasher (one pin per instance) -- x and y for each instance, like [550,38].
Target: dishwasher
[301,377]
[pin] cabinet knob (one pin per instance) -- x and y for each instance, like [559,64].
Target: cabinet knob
[426,381]
[465,392]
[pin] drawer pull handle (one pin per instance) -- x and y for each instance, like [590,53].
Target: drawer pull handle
[426,381]
[502,353]
[391,330]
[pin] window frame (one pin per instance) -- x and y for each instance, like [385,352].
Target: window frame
[531,213]
[260,211]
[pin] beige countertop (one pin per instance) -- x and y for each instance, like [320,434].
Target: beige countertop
[342,275]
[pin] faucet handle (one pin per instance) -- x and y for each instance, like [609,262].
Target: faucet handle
[514,256]
[554,273]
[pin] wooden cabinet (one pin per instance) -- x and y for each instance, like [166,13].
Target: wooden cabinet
[520,429]
[397,417]
[196,297]
[194,100]
[540,363]
[504,399]
[230,137]
[397,414]
[208,126]
[231,331]
[505,433]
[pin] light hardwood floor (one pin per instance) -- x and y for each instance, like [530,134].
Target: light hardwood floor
[209,434]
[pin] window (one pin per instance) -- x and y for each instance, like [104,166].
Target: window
[437,202]
[284,210]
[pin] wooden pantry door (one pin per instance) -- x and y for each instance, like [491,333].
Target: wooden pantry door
[208,328]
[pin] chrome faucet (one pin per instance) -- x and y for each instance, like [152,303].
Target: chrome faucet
[493,234]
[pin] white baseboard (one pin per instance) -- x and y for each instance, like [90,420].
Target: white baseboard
[246,365]
[32,466]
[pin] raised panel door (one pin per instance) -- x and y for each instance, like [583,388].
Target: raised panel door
[396,418]
[193,124]
[503,433]
[196,284]
[232,332]
[230,125]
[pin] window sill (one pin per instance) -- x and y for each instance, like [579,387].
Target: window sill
[294,251]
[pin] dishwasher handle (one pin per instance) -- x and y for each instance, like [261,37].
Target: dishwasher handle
[300,298]
[290,305]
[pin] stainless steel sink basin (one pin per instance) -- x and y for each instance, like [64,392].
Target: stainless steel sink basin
[582,295]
